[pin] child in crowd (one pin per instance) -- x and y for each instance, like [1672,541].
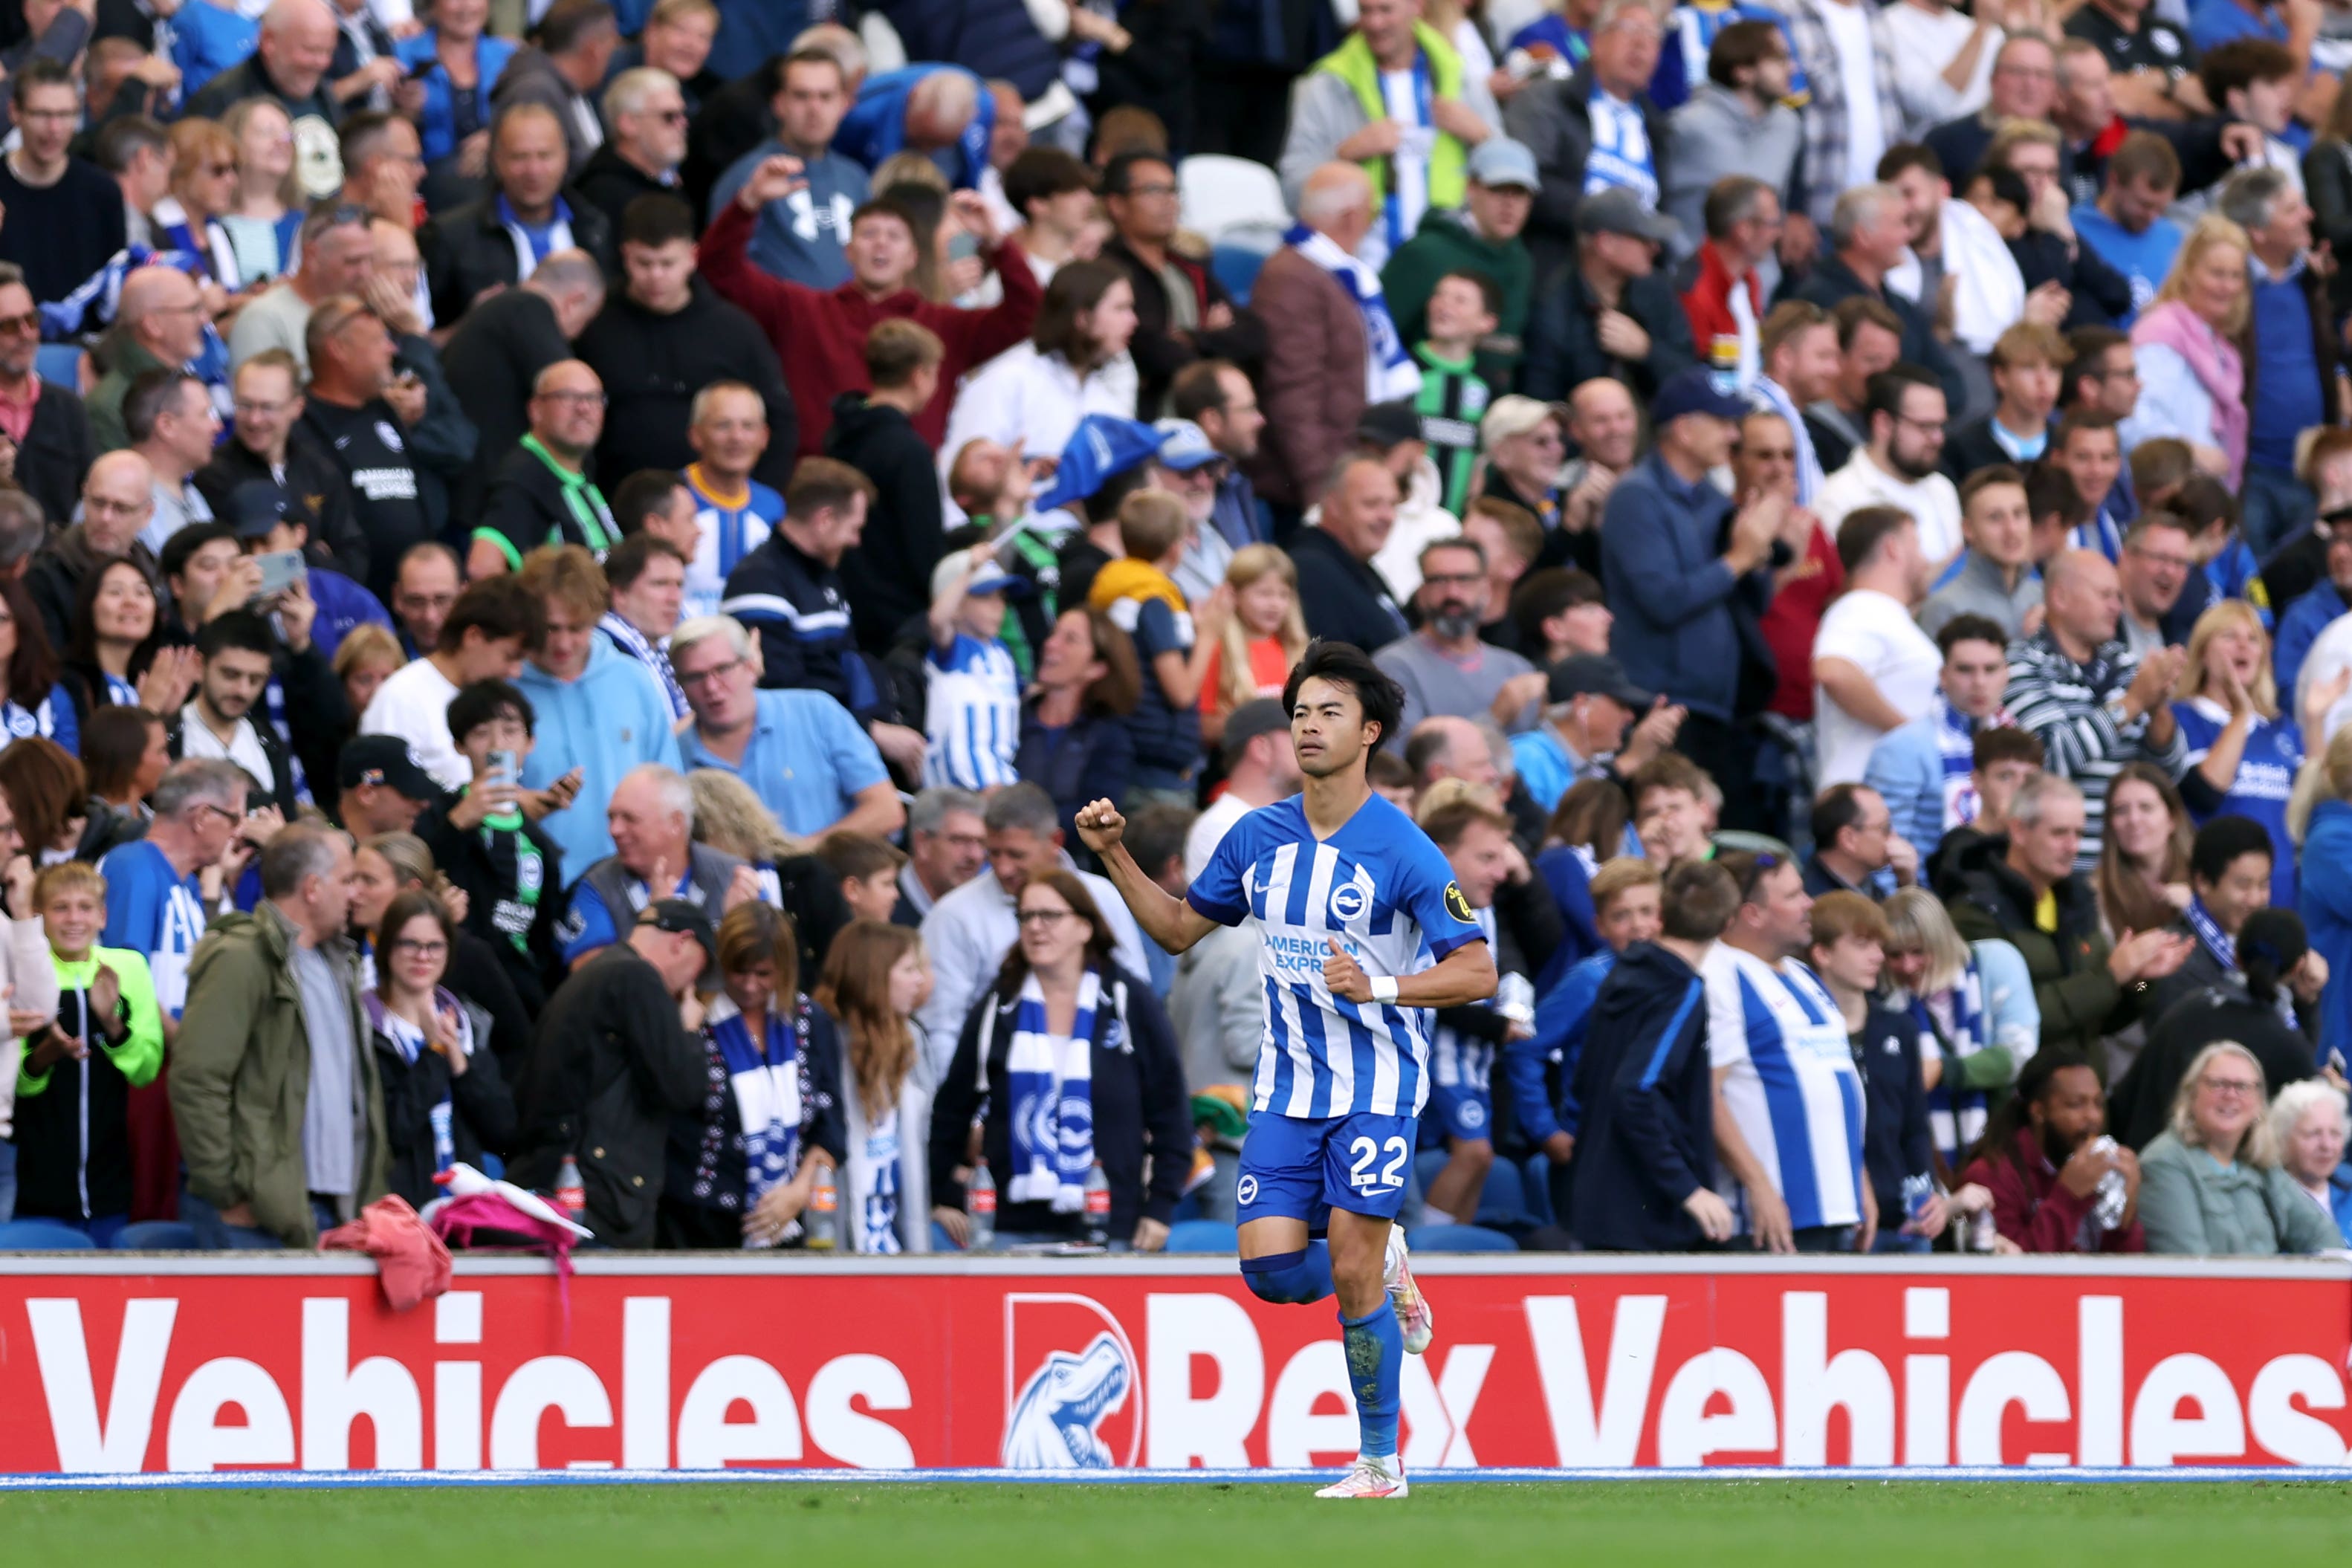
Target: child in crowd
[510,870]
[972,712]
[77,1069]
[2228,569]
[868,869]
[1464,310]
[1143,600]
[1265,636]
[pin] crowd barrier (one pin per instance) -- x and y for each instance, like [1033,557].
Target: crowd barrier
[120,1363]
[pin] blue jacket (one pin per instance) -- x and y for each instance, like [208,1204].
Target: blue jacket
[2327,915]
[208,40]
[344,605]
[1659,555]
[875,125]
[437,124]
[2298,629]
[613,718]
[1562,1013]
[995,39]
[1648,1141]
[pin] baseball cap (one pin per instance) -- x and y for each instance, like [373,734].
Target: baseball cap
[1596,675]
[1103,446]
[256,506]
[1694,391]
[1512,415]
[681,917]
[1183,446]
[992,578]
[1498,160]
[1619,211]
[384,760]
[1258,716]
[1388,423]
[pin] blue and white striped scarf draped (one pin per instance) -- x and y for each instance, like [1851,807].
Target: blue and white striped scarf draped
[409,1041]
[764,1076]
[2225,948]
[655,658]
[1389,369]
[1049,1085]
[273,703]
[1956,1115]
[1956,742]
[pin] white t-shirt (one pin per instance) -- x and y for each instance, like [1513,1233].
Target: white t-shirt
[1933,502]
[1209,830]
[243,748]
[414,704]
[1873,631]
[1848,25]
[1927,41]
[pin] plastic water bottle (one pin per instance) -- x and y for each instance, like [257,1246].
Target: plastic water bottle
[1097,1207]
[824,1219]
[571,1195]
[2111,1199]
[980,1210]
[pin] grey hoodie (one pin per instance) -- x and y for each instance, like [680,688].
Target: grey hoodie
[1714,134]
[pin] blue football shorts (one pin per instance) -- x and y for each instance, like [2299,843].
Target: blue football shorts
[1304,1167]
[1462,1112]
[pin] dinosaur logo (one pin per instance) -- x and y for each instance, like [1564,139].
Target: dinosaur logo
[1053,1424]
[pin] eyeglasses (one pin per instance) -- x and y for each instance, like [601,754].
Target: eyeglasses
[581,399]
[2177,563]
[422,948]
[30,322]
[1045,917]
[669,116]
[2232,1086]
[688,680]
[1150,190]
[1454,579]
[269,410]
[1936,426]
[215,171]
[204,805]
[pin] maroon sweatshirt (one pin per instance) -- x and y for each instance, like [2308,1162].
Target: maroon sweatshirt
[2030,1208]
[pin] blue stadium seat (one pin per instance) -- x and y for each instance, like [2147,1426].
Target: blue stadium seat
[1203,1236]
[43,1236]
[61,364]
[1534,1184]
[1500,1201]
[156,1236]
[1236,266]
[1459,1238]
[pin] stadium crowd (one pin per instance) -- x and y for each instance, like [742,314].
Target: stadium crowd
[565,570]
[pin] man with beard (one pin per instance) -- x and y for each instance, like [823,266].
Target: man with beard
[2040,1168]
[540,493]
[1443,668]
[1899,466]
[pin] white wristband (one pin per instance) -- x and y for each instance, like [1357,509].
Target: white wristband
[1384,988]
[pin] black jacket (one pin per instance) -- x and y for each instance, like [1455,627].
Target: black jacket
[609,183]
[1159,351]
[468,250]
[496,354]
[1830,282]
[318,712]
[1970,448]
[2328,181]
[1647,1141]
[776,592]
[889,574]
[1092,760]
[54,579]
[1554,120]
[319,495]
[2076,992]
[73,1137]
[490,896]
[1158,70]
[610,1065]
[1897,1143]
[57,452]
[2140,1105]
[1564,337]
[652,366]
[2102,296]
[1344,597]
[482,1117]
[1139,1107]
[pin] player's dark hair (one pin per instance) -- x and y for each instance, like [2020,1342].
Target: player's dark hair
[1345,663]
[485,701]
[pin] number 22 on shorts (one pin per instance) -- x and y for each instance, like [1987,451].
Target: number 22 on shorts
[1366,1152]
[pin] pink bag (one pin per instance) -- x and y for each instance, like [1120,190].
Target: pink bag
[411,1262]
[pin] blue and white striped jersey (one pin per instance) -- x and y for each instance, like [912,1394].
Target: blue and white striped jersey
[1385,892]
[972,714]
[1793,1091]
[730,531]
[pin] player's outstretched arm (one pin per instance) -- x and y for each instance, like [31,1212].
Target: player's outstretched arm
[1463,977]
[1171,922]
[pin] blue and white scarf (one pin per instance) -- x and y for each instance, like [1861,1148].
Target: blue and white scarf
[2102,533]
[764,1077]
[1389,369]
[627,639]
[1621,149]
[1956,1019]
[1410,99]
[409,1041]
[2218,942]
[1049,1084]
[1955,743]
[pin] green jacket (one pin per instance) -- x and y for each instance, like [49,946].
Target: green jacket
[104,405]
[241,1074]
[1446,243]
[2078,994]
[2191,1203]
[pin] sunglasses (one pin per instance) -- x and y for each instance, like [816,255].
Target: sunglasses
[30,322]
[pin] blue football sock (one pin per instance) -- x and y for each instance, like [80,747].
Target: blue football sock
[1375,1368]
[1291,1278]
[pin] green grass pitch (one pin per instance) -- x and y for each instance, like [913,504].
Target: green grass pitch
[1917,1525]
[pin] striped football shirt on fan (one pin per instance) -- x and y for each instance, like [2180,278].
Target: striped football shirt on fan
[1792,1090]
